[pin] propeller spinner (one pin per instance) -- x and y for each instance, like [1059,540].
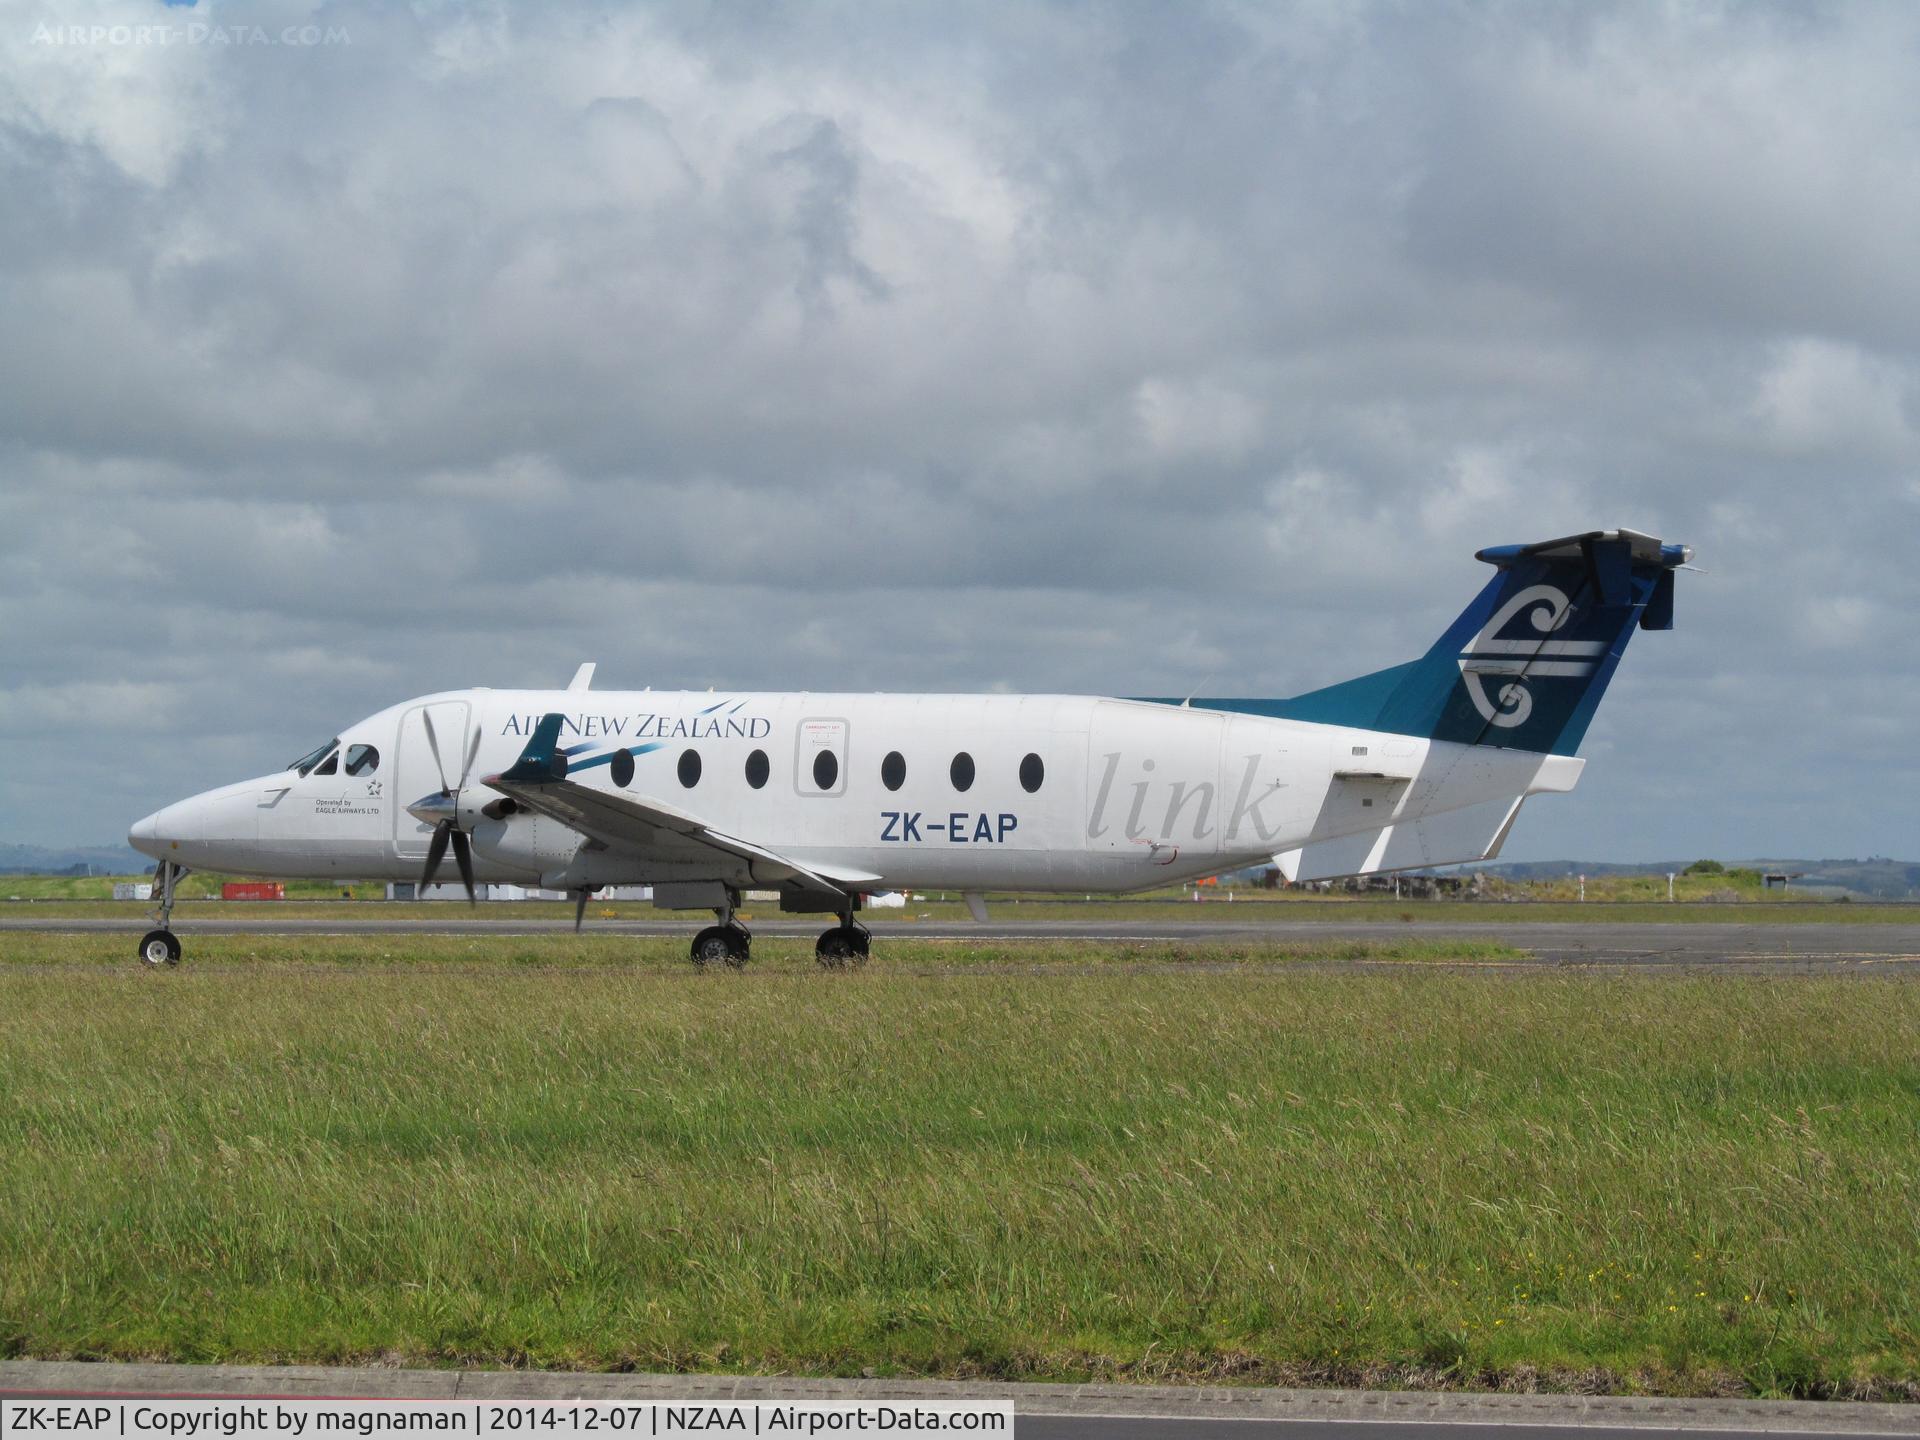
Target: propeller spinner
[442,811]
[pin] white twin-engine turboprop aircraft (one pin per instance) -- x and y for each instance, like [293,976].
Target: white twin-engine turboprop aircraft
[826,798]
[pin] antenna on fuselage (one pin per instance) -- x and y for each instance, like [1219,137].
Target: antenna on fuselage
[583,677]
[1188,702]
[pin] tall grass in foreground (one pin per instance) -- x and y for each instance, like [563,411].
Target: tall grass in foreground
[1662,1183]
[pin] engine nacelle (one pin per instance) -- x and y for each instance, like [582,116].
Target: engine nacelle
[525,842]
[559,857]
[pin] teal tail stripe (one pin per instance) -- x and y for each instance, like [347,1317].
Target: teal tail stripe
[1524,666]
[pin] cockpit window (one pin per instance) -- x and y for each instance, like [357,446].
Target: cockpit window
[362,759]
[328,765]
[306,763]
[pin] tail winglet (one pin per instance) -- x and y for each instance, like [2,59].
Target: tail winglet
[542,759]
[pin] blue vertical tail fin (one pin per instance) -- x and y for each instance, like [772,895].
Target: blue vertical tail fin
[1526,663]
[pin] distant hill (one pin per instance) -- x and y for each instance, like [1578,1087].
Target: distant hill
[1875,878]
[72,860]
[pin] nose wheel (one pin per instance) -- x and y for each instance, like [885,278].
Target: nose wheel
[159,948]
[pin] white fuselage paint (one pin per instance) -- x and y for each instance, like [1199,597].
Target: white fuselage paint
[1132,794]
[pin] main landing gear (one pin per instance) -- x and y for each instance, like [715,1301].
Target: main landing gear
[846,945]
[731,943]
[160,947]
[728,943]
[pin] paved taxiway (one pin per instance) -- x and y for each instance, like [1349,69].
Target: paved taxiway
[1043,1412]
[1793,946]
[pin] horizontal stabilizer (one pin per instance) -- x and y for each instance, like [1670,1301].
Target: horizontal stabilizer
[1635,549]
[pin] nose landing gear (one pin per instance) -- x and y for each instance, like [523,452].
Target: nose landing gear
[159,947]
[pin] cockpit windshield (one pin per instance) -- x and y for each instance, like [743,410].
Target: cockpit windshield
[306,763]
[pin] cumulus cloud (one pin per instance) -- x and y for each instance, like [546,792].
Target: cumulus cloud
[1124,350]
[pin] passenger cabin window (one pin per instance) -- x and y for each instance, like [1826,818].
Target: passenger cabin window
[306,763]
[893,770]
[757,769]
[826,769]
[689,768]
[962,771]
[621,768]
[362,760]
[1033,772]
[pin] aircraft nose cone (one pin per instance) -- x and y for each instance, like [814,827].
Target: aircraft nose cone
[215,828]
[145,836]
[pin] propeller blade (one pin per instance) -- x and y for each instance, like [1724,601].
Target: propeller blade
[436,851]
[473,749]
[580,910]
[463,858]
[433,744]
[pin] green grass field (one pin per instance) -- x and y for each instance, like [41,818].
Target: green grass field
[562,953]
[543,1151]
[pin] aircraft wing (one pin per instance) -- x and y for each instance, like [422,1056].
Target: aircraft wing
[537,781]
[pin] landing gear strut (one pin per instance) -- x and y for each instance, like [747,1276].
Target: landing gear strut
[728,943]
[159,947]
[846,945]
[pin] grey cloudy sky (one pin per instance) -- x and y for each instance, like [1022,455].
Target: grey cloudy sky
[1119,348]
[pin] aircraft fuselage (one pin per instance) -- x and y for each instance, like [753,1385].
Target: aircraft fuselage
[968,792]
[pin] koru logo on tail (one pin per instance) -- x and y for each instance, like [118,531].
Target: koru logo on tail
[1524,658]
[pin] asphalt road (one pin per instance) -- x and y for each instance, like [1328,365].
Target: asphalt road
[1765,947]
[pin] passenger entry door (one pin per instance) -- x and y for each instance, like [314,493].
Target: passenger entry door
[414,773]
[820,757]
